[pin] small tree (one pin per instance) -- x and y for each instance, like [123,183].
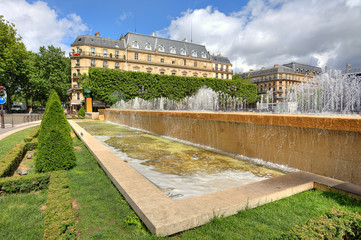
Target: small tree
[55,150]
[81,112]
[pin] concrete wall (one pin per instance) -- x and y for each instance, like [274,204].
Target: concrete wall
[325,145]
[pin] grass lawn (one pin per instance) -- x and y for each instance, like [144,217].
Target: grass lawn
[10,141]
[22,215]
[103,213]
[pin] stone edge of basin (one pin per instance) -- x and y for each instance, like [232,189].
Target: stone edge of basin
[164,216]
[343,123]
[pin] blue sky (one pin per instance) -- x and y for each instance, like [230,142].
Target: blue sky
[251,33]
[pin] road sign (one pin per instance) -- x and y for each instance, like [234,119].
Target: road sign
[2,100]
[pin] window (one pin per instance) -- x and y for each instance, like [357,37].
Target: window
[161,73]
[161,48]
[185,62]
[216,75]
[227,76]
[173,61]
[92,63]
[77,96]
[183,51]
[136,56]
[194,53]
[92,51]
[149,58]
[281,76]
[162,60]
[135,44]
[105,52]
[116,54]
[105,64]
[216,66]
[77,62]
[173,73]
[195,63]
[184,74]
[226,68]
[204,55]
[117,65]
[172,50]
[222,75]
[148,46]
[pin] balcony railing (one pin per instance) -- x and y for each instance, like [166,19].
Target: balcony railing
[222,70]
[96,54]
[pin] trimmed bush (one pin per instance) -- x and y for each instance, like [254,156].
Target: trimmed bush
[55,150]
[23,184]
[81,112]
[59,216]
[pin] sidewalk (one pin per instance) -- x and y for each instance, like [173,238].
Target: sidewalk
[8,130]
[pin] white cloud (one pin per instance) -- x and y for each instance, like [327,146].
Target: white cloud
[39,25]
[263,33]
[122,17]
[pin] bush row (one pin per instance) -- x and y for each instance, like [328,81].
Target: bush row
[103,82]
[59,216]
[32,135]
[10,161]
[23,184]
[336,224]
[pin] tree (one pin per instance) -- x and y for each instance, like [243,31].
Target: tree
[51,70]
[13,60]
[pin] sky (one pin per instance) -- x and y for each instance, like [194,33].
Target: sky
[251,33]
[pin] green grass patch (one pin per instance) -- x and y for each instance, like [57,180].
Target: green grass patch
[22,216]
[10,141]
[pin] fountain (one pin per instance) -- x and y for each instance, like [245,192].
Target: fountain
[325,145]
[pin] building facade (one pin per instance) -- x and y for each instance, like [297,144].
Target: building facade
[279,78]
[143,53]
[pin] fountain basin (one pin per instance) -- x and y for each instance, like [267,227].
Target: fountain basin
[324,145]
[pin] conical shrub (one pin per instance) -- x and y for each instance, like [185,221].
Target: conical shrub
[55,151]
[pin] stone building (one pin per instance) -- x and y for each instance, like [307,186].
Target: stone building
[144,53]
[280,77]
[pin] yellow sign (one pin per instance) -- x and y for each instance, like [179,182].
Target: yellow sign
[89,105]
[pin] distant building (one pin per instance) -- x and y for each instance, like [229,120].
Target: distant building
[143,53]
[280,77]
[350,72]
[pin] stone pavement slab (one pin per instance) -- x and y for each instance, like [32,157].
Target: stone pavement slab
[163,216]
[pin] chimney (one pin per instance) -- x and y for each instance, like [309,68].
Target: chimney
[184,40]
[97,34]
[121,37]
[348,67]
[152,34]
[276,65]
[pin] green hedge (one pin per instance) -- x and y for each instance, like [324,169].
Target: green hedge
[10,161]
[22,184]
[59,216]
[32,135]
[103,82]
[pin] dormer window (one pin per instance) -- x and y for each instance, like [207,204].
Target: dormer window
[161,48]
[135,44]
[204,55]
[194,53]
[183,51]
[172,50]
[148,46]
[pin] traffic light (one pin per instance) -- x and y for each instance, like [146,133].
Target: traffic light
[2,91]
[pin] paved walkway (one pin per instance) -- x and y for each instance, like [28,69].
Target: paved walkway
[8,130]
